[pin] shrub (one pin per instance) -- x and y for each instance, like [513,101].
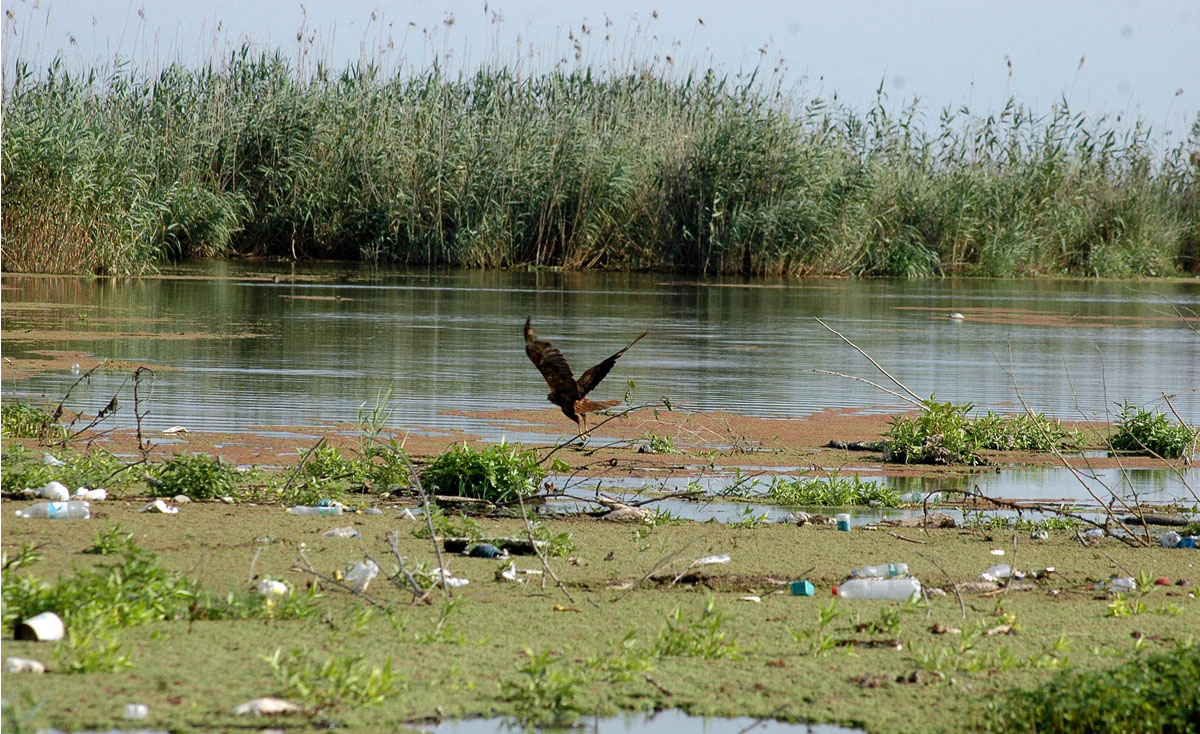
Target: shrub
[1155,693]
[1151,432]
[497,474]
[198,476]
[19,420]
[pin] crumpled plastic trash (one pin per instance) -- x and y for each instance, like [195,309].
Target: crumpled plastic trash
[346,531]
[136,711]
[407,515]
[175,429]
[265,706]
[270,587]
[97,495]
[160,506]
[23,665]
[53,491]
[360,574]
[447,580]
[709,560]
[52,460]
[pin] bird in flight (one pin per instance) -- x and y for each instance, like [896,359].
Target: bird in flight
[565,391]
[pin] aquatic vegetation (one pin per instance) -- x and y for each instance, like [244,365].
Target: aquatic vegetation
[943,433]
[631,165]
[24,468]
[21,420]
[833,491]
[1151,432]
[498,473]
[198,476]
[1157,691]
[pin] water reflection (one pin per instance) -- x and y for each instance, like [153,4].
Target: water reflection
[249,351]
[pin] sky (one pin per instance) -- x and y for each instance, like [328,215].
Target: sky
[1127,58]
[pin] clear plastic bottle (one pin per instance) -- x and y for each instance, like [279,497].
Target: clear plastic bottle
[877,588]
[1169,539]
[881,571]
[308,510]
[73,510]
[997,572]
[361,574]
[1122,583]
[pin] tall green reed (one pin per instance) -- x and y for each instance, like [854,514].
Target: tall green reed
[115,171]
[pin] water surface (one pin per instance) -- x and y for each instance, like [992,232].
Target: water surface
[294,352]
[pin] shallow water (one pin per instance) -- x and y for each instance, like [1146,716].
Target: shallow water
[297,353]
[251,347]
[652,723]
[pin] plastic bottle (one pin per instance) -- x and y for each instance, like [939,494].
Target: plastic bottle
[74,510]
[999,571]
[307,510]
[1122,583]
[868,588]
[881,571]
[1169,539]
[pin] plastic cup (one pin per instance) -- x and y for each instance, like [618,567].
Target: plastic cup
[843,521]
[46,626]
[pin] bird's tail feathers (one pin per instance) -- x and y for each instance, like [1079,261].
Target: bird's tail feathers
[591,406]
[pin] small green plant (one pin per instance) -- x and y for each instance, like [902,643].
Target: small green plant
[498,473]
[447,527]
[656,444]
[701,636]
[623,663]
[939,435]
[90,646]
[112,540]
[335,681]
[546,691]
[1151,432]
[750,520]
[198,476]
[817,641]
[1151,693]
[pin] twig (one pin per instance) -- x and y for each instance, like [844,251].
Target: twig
[961,604]
[428,510]
[665,560]
[300,465]
[915,398]
[875,385]
[541,554]
[908,540]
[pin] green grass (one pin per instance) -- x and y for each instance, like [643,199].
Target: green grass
[114,170]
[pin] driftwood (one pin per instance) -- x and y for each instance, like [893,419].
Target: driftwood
[1163,520]
[516,546]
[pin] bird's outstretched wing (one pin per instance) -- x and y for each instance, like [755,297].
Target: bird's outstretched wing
[552,364]
[592,377]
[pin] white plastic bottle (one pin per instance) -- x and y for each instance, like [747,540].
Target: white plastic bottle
[876,588]
[881,571]
[73,510]
[308,510]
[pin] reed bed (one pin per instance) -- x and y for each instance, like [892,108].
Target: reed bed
[113,172]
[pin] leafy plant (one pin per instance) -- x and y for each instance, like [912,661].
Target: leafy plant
[944,434]
[546,692]
[335,681]
[21,420]
[198,476]
[498,473]
[701,636]
[834,491]
[750,520]
[817,641]
[112,540]
[90,646]
[1152,693]
[656,444]
[1151,432]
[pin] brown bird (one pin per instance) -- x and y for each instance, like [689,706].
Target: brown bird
[565,391]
